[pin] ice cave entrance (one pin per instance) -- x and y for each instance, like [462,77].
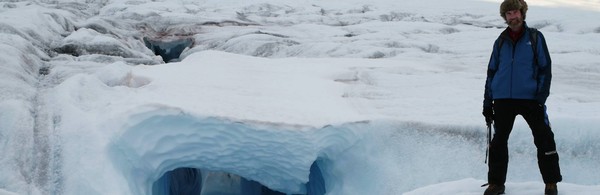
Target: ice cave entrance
[168,50]
[194,181]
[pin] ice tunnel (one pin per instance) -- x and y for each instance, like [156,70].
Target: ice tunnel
[169,152]
[193,181]
[168,50]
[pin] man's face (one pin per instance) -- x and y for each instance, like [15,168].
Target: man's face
[514,19]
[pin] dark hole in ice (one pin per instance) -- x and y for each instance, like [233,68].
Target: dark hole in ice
[179,181]
[168,50]
[44,71]
[188,181]
[316,183]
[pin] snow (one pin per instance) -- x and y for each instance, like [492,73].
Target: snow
[384,96]
[469,186]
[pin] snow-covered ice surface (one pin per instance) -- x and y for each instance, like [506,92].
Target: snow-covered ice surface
[385,96]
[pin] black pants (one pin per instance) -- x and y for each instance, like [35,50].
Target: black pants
[505,112]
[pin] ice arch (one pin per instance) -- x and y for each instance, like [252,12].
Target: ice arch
[290,159]
[168,50]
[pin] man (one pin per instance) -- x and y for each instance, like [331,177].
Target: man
[518,83]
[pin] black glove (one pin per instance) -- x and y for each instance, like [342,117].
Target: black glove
[488,113]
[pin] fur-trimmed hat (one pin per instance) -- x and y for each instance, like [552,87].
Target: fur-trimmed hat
[509,5]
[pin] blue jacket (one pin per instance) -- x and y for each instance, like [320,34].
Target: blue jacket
[512,71]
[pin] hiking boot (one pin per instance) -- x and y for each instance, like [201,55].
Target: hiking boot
[551,189]
[494,189]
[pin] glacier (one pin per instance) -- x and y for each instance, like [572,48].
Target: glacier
[278,97]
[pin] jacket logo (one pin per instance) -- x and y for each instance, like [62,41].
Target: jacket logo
[529,43]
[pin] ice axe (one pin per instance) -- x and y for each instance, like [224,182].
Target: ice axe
[489,135]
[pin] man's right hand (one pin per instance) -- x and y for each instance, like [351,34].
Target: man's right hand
[488,113]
